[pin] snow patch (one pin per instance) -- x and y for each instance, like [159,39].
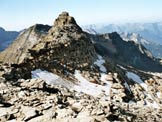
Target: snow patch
[127,86]
[136,79]
[45,75]
[154,104]
[90,88]
[51,78]
[83,86]
[159,94]
[103,78]
[156,74]
[121,67]
[99,62]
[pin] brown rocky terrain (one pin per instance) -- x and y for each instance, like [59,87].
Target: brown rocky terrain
[34,100]
[59,75]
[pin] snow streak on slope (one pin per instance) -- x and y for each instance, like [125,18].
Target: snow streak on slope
[45,75]
[90,88]
[51,78]
[137,79]
[83,86]
[99,62]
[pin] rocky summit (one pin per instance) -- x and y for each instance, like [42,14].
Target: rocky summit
[63,74]
[64,47]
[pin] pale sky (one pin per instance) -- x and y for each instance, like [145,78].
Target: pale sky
[20,14]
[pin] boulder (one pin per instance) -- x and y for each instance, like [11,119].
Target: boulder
[77,107]
[34,84]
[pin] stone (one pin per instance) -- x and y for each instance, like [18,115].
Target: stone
[28,112]
[101,118]
[34,84]
[62,113]
[46,106]
[21,94]
[109,77]
[64,19]
[97,111]
[84,116]
[7,113]
[77,107]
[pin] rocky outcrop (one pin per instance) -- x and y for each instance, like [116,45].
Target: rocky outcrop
[63,49]
[34,100]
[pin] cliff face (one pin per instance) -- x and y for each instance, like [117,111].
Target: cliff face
[65,46]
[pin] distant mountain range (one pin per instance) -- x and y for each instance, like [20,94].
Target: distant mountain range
[150,31]
[147,34]
[6,37]
[154,48]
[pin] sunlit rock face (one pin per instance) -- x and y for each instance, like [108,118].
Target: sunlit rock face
[18,50]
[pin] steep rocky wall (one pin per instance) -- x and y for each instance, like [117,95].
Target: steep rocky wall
[65,48]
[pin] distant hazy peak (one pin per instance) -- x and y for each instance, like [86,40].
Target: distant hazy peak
[1,29]
[149,31]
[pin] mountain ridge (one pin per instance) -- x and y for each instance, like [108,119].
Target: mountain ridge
[64,35]
[25,40]
[149,31]
[154,48]
[62,73]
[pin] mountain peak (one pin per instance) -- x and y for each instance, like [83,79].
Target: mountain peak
[64,19]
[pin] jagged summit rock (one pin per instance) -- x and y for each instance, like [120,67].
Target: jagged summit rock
[64,19]
[66,46]
[66,22]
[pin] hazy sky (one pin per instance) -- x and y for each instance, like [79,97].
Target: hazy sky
[19,14]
